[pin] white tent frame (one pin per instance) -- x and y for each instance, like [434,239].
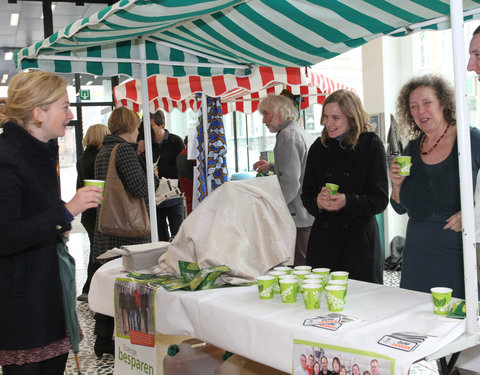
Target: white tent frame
[471,336]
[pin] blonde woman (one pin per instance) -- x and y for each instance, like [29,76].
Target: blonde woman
[345,234]
[92,142]
[33,217]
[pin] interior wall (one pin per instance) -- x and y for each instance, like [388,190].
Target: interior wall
[387,64]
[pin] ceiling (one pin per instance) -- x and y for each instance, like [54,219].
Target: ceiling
[30,28]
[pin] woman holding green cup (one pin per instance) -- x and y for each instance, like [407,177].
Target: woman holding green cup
[430,194]
[349,157]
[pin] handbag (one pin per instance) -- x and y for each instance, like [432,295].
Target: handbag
[121,214]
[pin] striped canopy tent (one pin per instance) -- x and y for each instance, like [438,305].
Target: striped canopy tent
[216,37]
[176,38]
[236,93]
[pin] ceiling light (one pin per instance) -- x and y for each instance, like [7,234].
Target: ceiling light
[4,78]
[14,19]
[8,55]
[88,83]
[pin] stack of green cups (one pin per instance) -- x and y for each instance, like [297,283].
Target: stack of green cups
[276,285]
[311,295]
[301,275]
[288,288]
[324,273]
[335,297]
[265,286]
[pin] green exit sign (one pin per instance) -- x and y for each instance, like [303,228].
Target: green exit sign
[84,94]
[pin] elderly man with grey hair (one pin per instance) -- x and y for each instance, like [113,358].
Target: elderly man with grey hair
[290,155]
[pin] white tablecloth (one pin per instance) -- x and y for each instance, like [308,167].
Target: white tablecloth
[235,319]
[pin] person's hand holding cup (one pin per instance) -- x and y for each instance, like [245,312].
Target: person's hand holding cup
[400,169]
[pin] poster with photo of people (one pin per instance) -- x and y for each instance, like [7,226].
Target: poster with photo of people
[134,308]
[310,358]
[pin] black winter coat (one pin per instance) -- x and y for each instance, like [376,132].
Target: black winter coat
[86,171]
[32,216]
[347,240]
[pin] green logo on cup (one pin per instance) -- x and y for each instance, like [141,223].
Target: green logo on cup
[288,289]
[404,162]
[311,295]
[442,298]
[333,188]
[265,286]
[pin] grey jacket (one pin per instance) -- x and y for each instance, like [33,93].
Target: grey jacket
[290,154]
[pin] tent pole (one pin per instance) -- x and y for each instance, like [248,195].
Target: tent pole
[465,166]
[148,141]
[205,140]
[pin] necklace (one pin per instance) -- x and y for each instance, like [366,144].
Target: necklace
[436,143]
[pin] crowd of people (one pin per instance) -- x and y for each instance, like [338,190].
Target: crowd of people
[338,231]
[320,366]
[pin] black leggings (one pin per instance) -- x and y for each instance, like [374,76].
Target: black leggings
[52,366]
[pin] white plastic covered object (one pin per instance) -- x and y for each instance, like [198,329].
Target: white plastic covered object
[245,225]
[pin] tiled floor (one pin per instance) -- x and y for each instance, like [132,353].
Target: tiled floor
[78,246]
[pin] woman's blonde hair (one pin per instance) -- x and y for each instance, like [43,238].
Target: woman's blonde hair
[123,120]
[279,104]
[445,93]
[94,135]
[27,91]
[358,119]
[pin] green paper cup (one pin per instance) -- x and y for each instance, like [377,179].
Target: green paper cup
[287,269]
[442,299]
[335,297]
[311,295]
[276,285]
[339,275]
[404,162]
[312,276]
[343,283]
[301,275]
[333,188]
[99,183]
[265,286]
[324,272]
[313,281]
[303,268]
[288,290]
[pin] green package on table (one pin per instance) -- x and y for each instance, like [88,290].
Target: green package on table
[188,270]
[204,280]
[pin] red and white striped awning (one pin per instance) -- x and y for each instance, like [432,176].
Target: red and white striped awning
[237,93]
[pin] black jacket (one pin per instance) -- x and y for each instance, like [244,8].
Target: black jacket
[32,215]
[347,240]
[86,171]
[167,151]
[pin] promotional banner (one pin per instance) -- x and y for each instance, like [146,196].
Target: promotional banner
[134,328]
[317,358]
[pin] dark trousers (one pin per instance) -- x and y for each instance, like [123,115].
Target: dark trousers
[52,366]
[91,267]
[301,242]
[175,219]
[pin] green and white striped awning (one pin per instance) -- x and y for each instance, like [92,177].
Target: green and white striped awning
[215,37]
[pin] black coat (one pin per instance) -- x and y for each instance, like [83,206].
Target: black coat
[86,171]
[31,218]
[168,151]
[347,240]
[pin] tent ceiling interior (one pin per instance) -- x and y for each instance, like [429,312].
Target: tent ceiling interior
[215,37]
[237,93]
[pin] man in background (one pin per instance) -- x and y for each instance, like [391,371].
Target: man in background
[290,156]
[165,148]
